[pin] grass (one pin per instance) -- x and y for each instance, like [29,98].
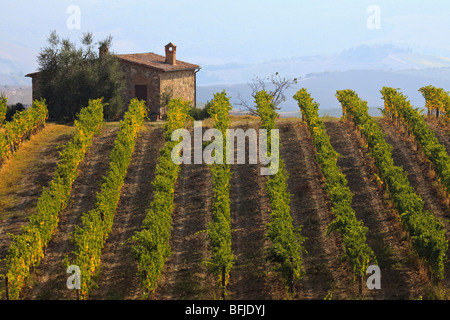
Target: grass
[25,169]
[23,175]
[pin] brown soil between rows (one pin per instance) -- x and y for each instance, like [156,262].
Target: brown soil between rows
[326,274]
[250,277]
[421,178]
[49,280]
[185,275]
[441,130]
[401,277]
[21,198]
[118,278]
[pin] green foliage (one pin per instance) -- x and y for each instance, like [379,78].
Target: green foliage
[436,98]
[23,124]
[3,109]
[71,76]
[286,250]
[266,109]
[177,115]
[165,98]
[89,238]
[219,230]
[357,251]
[219,110]
[426,231]
[151,245]
[27,249]
[396,103]
[12,110]
[201,113]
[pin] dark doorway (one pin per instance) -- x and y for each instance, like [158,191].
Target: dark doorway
[140,92]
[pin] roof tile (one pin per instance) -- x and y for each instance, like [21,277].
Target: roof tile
[156,61]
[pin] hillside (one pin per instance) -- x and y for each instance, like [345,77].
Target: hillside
[382,58]
[323,87]
[185,277]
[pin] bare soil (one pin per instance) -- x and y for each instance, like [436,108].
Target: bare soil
[118,280]
[420,175]
[441,130]
[185,276]
[402,278]
[49,280]
[326,274]
[250,276]
[22,177]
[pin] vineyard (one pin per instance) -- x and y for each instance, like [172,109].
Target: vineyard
[106,201]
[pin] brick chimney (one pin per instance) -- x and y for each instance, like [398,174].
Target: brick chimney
[103,51]
[171,53]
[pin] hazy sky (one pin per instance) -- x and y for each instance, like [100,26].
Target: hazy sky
[215,32]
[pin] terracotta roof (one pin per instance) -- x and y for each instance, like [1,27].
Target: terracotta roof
[156,61]
[150,60]
[33,74]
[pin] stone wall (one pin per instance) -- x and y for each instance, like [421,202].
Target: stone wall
[182,84]
[36,84]
[137,75]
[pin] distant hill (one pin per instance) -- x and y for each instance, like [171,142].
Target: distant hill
[323,86]
[15,94]
[15,62]
[365,69]
[382,58]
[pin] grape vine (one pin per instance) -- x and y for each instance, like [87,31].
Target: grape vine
[151,245]
[89,238]
[427,232]
[287,242]
[28,248]
[357,252]
[219,229]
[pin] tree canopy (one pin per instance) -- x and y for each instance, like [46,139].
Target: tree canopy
[71,75]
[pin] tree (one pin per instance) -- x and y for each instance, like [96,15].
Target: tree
[72,75]
[277,88]
[199,114]
[12,110]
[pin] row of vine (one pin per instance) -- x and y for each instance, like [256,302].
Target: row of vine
[427,232]
[356,250]
[23,124]
[89,238]
[397,103]
[436,99]
[151,246]
[219,229]
[286,249]
[3,109]
[28,248]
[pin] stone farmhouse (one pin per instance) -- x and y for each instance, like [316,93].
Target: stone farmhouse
[152,78]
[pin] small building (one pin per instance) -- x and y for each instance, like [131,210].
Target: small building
[151,77]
